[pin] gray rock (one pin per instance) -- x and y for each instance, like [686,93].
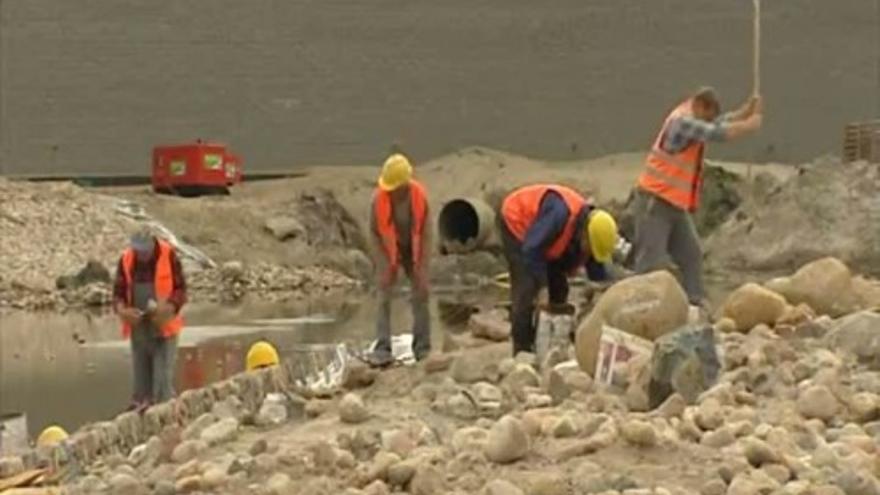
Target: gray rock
[273,411]
[278,484]
[480,364]
[11,466]
[469,438]
[125,484]
[759,452]
[284,227]
[501,487]
[854,482]
[188,450]
[428,480]
[817,402]
[490,325]
[223,431]
[684,362]
[352,409]
[639,433]
[858,334]
[507,441]
[714,487]
[164,488]
[401,473]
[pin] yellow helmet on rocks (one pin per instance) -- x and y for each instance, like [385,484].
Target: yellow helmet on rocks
[601,232]
[51,436]
[261,355]
[396,172]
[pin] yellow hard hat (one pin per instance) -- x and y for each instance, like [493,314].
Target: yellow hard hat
[261,355]
[602,234]
[395,172]
[52,435]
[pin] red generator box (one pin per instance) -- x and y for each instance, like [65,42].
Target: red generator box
[195,169]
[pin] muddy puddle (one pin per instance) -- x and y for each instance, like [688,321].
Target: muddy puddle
[72,369]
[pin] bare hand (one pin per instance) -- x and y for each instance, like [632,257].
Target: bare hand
[129,314]
[756,105]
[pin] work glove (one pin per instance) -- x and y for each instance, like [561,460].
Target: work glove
[163,313]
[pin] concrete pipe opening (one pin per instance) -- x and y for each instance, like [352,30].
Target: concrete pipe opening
[465,225]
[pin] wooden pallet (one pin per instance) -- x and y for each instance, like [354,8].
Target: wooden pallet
[861,141]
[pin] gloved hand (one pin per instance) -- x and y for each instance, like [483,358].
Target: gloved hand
[129,314]
[163,313]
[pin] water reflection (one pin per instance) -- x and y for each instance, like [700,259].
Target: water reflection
[73,368]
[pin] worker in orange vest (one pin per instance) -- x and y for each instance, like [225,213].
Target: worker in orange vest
[400,235]
[669,187]
[149,291]
[548,232]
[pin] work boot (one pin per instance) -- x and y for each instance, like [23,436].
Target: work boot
[380,359]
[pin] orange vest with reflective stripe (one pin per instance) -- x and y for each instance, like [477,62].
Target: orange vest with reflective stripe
[164,286]
[387,231]
[676,178]
[520,209]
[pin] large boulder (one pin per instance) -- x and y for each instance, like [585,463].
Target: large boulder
[826,285]
[751,305]
[648,306]
[480,364]
[684,362]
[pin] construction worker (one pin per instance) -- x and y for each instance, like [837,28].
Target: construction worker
[669,187]
[261,355]
[548,232]
[400,237]
[149,292]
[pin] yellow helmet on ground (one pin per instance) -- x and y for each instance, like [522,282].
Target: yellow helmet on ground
[51,436]
[602,234]
[395,172]
[261,355]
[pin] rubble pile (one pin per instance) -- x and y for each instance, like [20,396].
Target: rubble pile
[60,245]
[51,230]
[234,280]
[828,207]
[793,407]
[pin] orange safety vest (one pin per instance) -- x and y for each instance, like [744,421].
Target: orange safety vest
[676,178]
[385,223]
[164,286]
[520,208]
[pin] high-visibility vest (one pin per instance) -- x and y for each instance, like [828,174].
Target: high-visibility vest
[520,210]
[675,177]
[385,224]
[164,286]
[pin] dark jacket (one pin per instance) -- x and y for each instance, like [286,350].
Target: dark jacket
[146,272]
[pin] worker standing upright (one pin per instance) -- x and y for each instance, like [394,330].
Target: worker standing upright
[669,187]
[548,232]
[149,292]
[400,235]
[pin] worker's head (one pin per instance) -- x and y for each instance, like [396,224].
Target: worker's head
[600,235]
[396,173]
[706,105]
[261,355]
[143,243]
[51,436]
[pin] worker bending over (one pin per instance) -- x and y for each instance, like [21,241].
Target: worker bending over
[400,234]
[549,231]
[669,187]
[149,292]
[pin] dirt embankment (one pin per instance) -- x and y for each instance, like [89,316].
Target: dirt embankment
[286,237]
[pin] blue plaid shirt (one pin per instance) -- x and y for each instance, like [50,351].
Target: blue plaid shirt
[685,130]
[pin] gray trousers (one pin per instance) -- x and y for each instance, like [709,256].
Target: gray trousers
[153,361]
[421,329]
[661,230]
